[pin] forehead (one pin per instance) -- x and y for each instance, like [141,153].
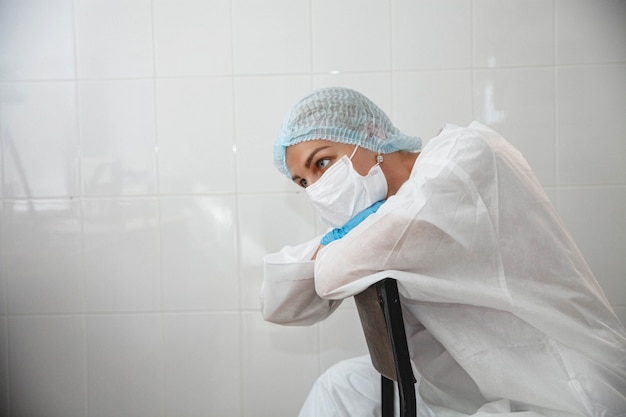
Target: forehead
[296,156]
[302,148]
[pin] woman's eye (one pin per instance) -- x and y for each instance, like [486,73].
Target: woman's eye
[304,183]
[323,163]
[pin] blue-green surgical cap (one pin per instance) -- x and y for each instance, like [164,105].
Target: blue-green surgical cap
[340,115]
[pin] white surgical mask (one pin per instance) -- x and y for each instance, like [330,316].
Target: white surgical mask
[341,192]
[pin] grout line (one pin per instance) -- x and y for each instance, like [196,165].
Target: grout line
[311,45]
[132,313]
[81,213]
[237,223]
[316,73]
[158,213]
[134,197]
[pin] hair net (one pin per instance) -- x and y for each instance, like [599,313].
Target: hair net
[340,115]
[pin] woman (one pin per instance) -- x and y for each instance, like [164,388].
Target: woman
[503,314]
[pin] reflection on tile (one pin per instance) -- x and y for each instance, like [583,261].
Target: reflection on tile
[198,253]
[121,256]
[283,358]
[125,365]
[114,38]
[192,37]
[341,40]
[590,32]
[288,219]
[41,159]
[520,105]
[516,32]
[50,232]
[260,106]
[272,38]
[431,34]
[425,101]
[195,145]
[202,364]
[591,124]
[36,40]
[117,131]
[47,366]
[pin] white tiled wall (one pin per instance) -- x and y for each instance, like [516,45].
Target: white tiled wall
[138,193]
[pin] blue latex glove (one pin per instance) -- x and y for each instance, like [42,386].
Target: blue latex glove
[340,232]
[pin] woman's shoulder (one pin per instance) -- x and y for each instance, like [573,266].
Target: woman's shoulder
[455,144]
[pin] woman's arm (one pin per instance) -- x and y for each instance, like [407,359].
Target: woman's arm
[288,294]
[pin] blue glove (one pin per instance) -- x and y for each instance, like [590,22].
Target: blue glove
[340,232]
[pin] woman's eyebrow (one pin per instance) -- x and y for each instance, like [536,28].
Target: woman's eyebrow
[309,160]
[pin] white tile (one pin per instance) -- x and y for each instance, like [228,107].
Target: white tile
[424,101]
[260,106]
[114,38]
[520,104]
[341,337]
[195,135]
[590,31]
[47,366]
[121,256]
[595,218]
[351,35]
[44,259]
[271,36]
[431,34]
[199,253]
[280,363]
[125,366]
[192,37]
[267,223]
[591,124]
[41,158]
[117,128]
[36,40]
[203,365]
[515,32]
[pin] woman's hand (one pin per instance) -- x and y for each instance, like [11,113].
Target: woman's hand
[316,250]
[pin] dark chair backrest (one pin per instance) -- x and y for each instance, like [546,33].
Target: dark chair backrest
[381,317]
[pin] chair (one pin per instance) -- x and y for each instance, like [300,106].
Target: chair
[381,317]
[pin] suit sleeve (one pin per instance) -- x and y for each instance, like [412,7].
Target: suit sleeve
[436,235]
[288,293]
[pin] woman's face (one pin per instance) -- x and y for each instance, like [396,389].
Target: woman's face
[308,160]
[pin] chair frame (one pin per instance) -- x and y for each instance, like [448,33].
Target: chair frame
[380,311]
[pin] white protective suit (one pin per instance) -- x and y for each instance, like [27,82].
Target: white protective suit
[502,313]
